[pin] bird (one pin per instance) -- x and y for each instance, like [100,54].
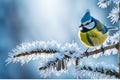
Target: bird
[92,33]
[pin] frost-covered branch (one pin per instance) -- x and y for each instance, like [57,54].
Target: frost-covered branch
[32,51]
[37,49]
[114,15]
[56,62]
[88,70]
[55,55]
[99,67]
[81,56]
[105,48]
[26,52]
[50,51]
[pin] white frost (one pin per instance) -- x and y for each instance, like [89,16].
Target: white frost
[104,3]
[97,65]
[42,45]
[82,74]
[114,15]
[111,40]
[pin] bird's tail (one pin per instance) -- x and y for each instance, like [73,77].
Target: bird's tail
[113,28]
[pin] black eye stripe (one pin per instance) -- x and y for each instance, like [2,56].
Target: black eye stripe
[87,23]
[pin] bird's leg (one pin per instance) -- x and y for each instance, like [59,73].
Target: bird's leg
[87,52]
[95,48]
[102,48]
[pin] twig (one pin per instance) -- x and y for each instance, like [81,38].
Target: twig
[50,51]
[101,70]
[99,50]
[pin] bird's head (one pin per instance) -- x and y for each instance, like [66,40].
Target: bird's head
[87,22]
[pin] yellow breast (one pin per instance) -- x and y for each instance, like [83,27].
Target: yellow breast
[92,38]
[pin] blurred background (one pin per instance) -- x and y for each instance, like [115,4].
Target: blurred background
[31,20]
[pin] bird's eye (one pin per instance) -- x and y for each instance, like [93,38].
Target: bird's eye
[82,25]
[87,23]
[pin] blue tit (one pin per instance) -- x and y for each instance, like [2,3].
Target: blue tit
[92,32]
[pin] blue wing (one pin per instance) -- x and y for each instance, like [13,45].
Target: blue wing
[102,28]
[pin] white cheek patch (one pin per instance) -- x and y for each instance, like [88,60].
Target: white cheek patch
[80,28]
[90,26]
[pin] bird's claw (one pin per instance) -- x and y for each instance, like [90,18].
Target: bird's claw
[103,50]
[87,54]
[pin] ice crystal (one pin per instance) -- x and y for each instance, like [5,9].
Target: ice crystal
[67,49]
[93,73]
[116,1]
[104,3]
[114,15]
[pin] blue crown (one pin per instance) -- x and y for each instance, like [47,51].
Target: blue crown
[86,17]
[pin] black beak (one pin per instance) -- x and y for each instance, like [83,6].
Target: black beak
[81,25]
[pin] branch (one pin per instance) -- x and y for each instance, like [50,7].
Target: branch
[53,62]
[50,51]
[67,52]
[99,50]
[83,55]
[53,51]
[101,70]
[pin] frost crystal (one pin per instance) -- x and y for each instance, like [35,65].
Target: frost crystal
[111,40]
[116,1]
[30,51]
[82,73]
[104,3]
[101,65]
[114,15]
[92,74]
[69,52]
[29,47]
